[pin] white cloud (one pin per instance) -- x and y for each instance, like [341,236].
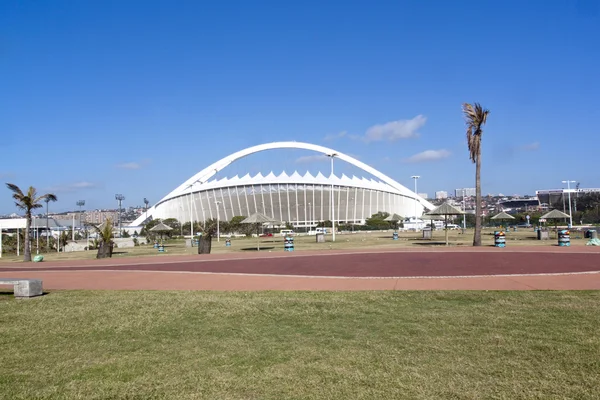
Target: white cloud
[70,187]
[332,137]
[395,130]
[129,165]
[310,159]
[428,155]
[530,147]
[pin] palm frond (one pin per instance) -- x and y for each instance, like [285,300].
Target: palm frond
[47,197]
[475,117]
[15,189]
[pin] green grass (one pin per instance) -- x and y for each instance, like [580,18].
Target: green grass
[300,345]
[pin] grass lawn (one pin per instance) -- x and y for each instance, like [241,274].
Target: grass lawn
[300,345]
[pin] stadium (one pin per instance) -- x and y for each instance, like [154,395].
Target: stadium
[301,200]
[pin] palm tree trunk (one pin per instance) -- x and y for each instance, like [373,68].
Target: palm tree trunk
[27,256]
[477,235]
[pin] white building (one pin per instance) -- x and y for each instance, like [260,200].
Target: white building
[464,192]
[441,195]
[302,200]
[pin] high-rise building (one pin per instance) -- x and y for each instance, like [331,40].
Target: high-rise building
[441,195]
[423,195]
[464,192]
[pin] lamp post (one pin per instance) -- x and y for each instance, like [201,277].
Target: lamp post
[569,194]
[146,202]
[415,177]
[80,203]
[332,155]
[119,198]
[464,215]
[218,232]
[191,215]
[309,217]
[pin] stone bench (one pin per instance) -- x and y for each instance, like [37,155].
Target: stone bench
[24,287]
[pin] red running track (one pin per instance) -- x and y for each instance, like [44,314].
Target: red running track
[380,264]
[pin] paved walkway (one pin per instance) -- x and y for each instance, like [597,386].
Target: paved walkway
[486,268]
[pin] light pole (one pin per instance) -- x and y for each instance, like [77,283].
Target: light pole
[309,217]
[191,216]
[119,198]
[464,215]
[415,177]
[146,202]
[218,232]
[332,155]
[569,194]
[80,203]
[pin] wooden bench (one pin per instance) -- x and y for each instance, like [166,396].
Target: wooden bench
[24,287]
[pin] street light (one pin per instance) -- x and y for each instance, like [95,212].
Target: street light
[119,198]
[146,202]
[191,215]
[218,232]
[80,203]
[47,200]
[569,194]
[332,155]
[415,177]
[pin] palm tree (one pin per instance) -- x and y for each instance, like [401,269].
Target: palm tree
[29,201]
[475,118]
[104,234]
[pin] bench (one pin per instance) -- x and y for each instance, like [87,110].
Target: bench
[24,287]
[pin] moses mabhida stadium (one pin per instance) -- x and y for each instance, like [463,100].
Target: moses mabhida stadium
[302,200]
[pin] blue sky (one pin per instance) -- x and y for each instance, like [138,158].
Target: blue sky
[134,97]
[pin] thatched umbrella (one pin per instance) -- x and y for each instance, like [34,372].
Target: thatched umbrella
[161,228]
[445,210]
[258,219]
[502,216]
[555,214]
[394,218]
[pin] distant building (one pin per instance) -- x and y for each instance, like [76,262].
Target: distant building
[441,195]
[423,195]
[464,192]
[553,197]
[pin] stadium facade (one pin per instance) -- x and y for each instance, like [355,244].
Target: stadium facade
[301,200]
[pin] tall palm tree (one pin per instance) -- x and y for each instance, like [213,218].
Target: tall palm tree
[28,201]
[475,118]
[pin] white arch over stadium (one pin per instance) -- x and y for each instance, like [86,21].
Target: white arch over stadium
[204,175]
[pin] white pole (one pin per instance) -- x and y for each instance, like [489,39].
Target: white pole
[73,236]
[0,241]
[218,232]
[332,201]
[191,216]
[569,195]
[37,238]
[465,214]
[18,242]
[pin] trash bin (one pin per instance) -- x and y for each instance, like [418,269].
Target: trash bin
[591,234]
[543,234]
[320,237]
[227,242]
[427,234]
[288,243]
[499,239]
[564,237]
[395,236]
